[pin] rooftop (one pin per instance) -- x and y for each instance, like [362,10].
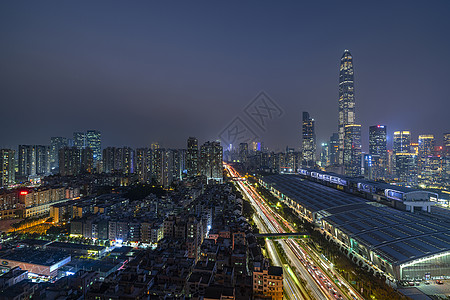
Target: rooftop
[396,235]
[46,257]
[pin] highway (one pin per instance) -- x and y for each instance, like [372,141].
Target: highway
[312,267]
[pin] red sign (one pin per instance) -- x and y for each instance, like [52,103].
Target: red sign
[24,193]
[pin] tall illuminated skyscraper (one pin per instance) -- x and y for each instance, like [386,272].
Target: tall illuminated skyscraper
[426,145]
[334,149]
[352,150]
[402,141]
[428,163]
[346,99]
[378,151]
[405,160]
[309,141]
[94,141]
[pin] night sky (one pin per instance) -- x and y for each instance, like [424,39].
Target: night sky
[143,72]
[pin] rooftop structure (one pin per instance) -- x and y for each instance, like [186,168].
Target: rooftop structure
[36,261]
[402,244]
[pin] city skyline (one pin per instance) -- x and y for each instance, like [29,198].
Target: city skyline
[125,90]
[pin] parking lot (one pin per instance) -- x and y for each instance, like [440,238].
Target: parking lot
[430,288]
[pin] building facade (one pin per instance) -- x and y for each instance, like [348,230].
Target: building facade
[346,99]
[211,161]
[94,141]
[378,151]
[352,150]
[7,163]
[192,157]
[308,142]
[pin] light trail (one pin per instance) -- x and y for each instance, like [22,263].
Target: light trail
[320,282]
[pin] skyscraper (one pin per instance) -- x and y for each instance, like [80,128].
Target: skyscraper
[377,151]
[334,149]
[87,160]
[402,141]
[243,152]
[352,150]
[426,145]
[405,161]
[94,141]
[120,160]
[56,143]
[7,173]
[211,161]
[192,157]
[346,99]
[79,140]
[142,163]
[309,141]
[42,159]
[27,160]
[428,163]
[325,155]
[69,161]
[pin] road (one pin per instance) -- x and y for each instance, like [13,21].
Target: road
[312,267]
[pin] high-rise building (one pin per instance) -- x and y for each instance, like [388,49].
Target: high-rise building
[346,99]
[87,160]
[163,166]
[308,142]
[390,163]
[211,161]
[34,160]
[192,157]
[368,166]
[402,141]
[426,145]
[377,151]
[405,160]
[155,146]
[42,159]
[179,163]
[352,150]
[428,164]
[325,155]
[69,161]
[142,164]
[7,173]
[334,149]
[243,152]
[56,143]
[79,140]
[121,160]
[27,161]
[94,141]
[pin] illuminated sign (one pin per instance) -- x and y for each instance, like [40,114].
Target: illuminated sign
[24,193]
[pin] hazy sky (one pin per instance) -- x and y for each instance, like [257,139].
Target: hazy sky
[142,71]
